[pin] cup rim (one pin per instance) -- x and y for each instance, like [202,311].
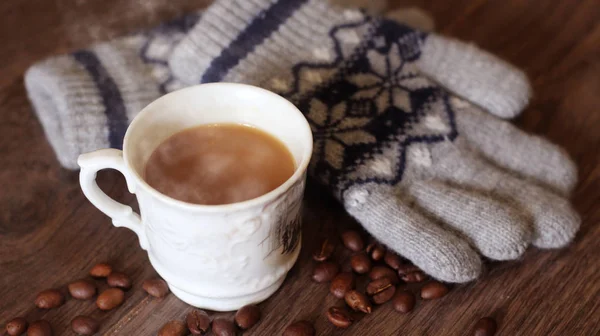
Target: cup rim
[298,173]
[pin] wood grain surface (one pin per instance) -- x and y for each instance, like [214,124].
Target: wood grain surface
[50,235]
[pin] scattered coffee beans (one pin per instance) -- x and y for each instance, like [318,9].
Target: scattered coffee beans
[173,328]
[198,322]
[101,270]
[84,325]
[382,271]
[342,284]
[156,287]
[324,250]
[110,299]
[433,290]
[361,263]
[392,260]
[353,241]
[325,271]
[485,327]
[300,328]
[247,316]
[376,251]
[40,328]
[223,327]
[404,302]
[339,317]
[381,290]
[16,326]
[358,301]
[414,277]
[50,298]
[407,268]
[120,280]
[82,289]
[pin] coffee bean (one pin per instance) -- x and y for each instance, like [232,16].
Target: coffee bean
[361,263]
[300,328]
[324,250]
[173,328]
[120,280]
[414,277]
[84,325]
[485,327]
[82,289]
[101,270]
[16,326]
[50,298]
[40,328]
[156,287]
[358,301]
[223,327]
[385,296]
[198,322]
[392,260]
[342,284]
[407,268]
[110,299]
[247,316]
[339,317]
[379,285]
[433,290]
[404,302]
[325,271]
[382,290]
[353,241]
[376,251]
[382,271]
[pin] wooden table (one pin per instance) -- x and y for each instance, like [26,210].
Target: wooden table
[49,234]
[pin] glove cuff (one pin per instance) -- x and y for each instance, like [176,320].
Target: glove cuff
[253,41]
[69,107]
[85,100]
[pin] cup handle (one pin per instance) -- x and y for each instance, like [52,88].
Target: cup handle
[121,214]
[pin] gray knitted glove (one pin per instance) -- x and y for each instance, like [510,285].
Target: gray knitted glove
[401,137]
[85,100]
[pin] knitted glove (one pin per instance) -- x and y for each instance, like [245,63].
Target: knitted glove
[86,100]
[401,135]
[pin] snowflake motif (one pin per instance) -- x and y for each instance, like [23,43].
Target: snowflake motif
[333,130]
[388,82]
[369,108]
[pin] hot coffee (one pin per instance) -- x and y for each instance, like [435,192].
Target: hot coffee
[219,164]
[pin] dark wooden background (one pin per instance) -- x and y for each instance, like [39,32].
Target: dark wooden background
[49,234]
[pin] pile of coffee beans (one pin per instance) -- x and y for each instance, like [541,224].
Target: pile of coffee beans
[385,270]
[390,278]
[85,289]
[198,322]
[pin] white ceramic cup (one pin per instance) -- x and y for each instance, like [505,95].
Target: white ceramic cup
[215,257]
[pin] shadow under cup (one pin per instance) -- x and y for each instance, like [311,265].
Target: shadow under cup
[221,257]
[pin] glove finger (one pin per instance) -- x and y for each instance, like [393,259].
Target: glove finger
[496,230]
[437,251]
[508,147]
[555,222]
[481,77]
